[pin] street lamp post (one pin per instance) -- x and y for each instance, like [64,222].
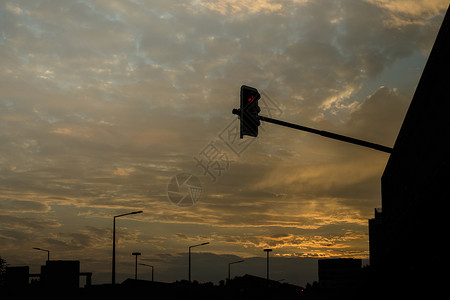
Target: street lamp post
[229,264]
[135,266]
[149,266]
[190,257]
[114,243]
[267,250]
[48,252]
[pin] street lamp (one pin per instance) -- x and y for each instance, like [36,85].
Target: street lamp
[48,252]
[190,256]
[114,243]
[135,266]
[229,264]
[149,266]
[267,250]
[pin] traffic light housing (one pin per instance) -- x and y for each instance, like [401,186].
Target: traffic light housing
[249,111]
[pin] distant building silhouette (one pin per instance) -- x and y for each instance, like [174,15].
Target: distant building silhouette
[407,239]
[246,287]
[55,275]
[339,274]
[61,274]
[339,278]
[254,287]
[61,278]
[17,277]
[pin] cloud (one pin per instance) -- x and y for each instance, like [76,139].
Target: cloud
[379,116]
[13,8]
[123,171]
[403,13]
[89,238]
[12,205]
[243,8]
[17,231]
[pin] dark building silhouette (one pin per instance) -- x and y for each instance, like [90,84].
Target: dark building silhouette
[376,238]
[246,287]
[17,277]
[339,274]
[55,275]
[61,279]
[407,238]
[61,274]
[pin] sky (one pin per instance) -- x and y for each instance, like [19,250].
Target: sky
[109,107]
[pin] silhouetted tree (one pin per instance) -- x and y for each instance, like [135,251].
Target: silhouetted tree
[2,268]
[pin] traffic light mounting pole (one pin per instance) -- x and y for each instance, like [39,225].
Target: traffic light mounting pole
[322,133]
[328,134]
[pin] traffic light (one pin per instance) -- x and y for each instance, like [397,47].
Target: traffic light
[249,111]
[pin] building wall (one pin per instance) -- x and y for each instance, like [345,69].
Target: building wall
[17,276]
[416,181]
[61,274]
[338,274]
